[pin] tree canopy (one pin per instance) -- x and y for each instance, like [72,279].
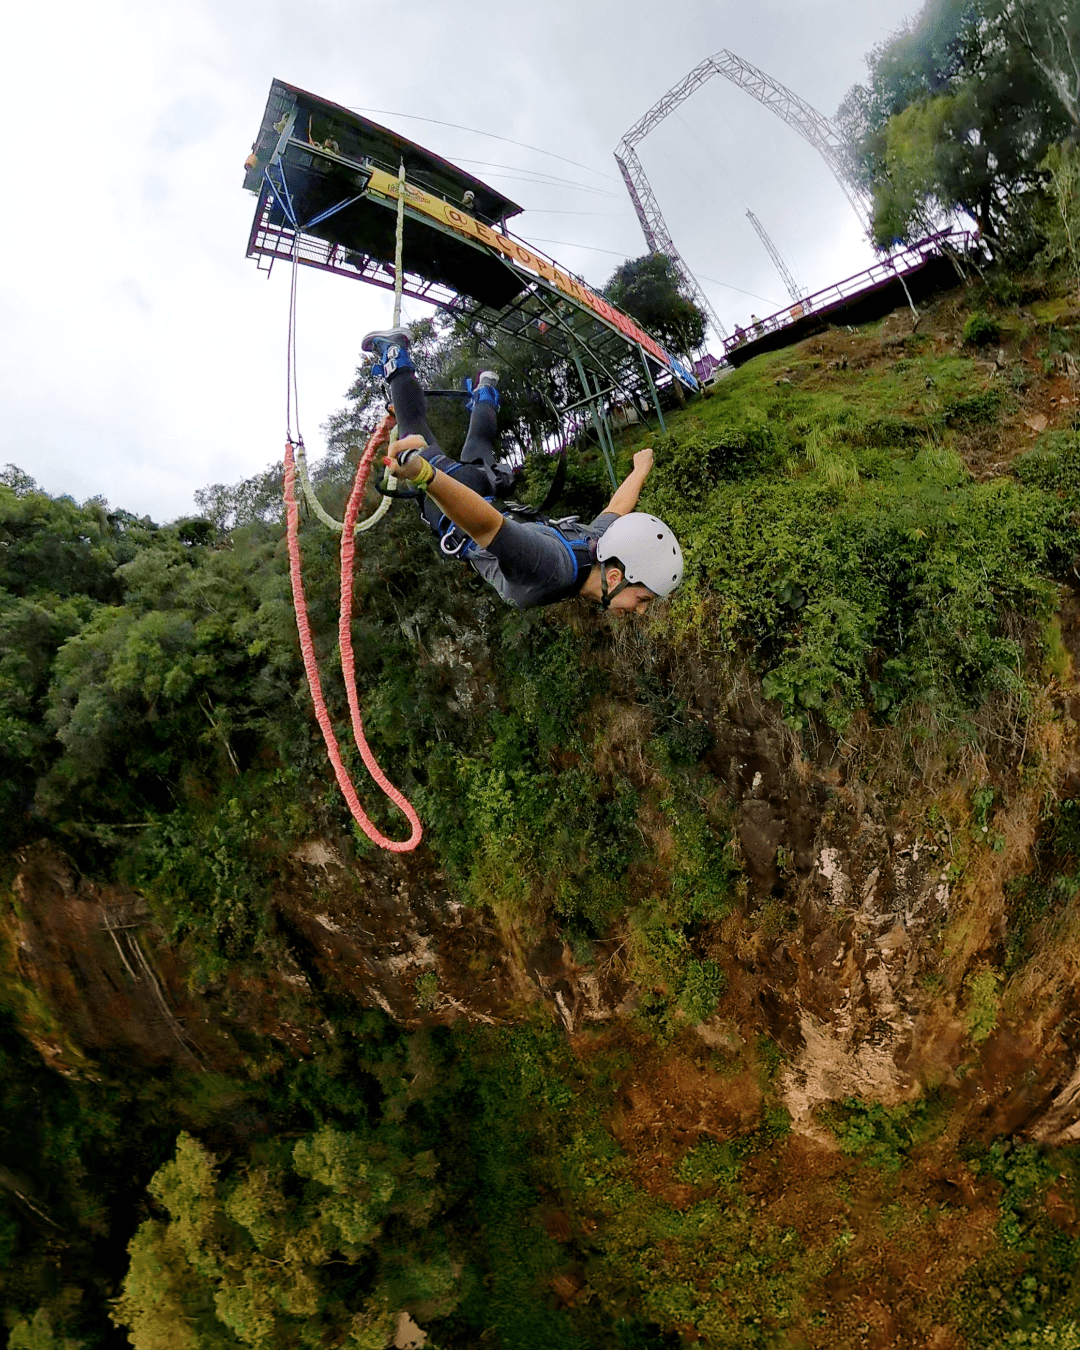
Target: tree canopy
[960,109]
[648,289]
[245,1259]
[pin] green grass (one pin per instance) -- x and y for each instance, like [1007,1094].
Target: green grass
[832,533]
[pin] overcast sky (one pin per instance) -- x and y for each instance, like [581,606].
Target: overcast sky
[141,354]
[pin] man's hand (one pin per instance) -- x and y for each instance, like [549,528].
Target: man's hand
[412,469]
[629,490]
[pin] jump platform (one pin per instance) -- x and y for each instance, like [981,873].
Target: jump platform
[327,183]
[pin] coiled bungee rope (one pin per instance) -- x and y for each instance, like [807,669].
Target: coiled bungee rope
[378,439]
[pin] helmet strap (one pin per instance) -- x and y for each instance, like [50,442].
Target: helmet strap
[606,595]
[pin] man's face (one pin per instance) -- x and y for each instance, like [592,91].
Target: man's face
[633,600]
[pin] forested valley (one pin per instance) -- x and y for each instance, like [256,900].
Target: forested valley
[731,998]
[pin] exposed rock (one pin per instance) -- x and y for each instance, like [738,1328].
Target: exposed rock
[407,1335]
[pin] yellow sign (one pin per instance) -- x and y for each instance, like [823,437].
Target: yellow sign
[430,205]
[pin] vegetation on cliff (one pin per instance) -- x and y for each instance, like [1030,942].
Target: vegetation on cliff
[882,533]
[842,531]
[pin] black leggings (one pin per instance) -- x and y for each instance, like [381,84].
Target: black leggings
[477,458]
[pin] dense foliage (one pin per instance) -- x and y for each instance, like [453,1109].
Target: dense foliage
[960,111]
[874,572]
[154,728]
[649,290]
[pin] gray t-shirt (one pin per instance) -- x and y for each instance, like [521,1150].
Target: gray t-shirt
[527,565]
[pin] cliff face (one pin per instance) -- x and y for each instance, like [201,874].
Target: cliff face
[861,982]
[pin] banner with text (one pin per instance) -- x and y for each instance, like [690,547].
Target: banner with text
[428,204]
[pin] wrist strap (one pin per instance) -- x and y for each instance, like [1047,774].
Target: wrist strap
[424,477]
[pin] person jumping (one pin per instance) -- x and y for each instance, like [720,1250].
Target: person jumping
[623,560]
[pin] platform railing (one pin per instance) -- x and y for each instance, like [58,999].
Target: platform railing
[904,262]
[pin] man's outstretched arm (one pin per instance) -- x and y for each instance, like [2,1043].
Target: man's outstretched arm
[629,490]
[466,508]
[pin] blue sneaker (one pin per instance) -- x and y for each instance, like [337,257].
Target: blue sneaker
[391,349]
[485,390]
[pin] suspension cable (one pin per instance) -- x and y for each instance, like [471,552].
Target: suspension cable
[292,394]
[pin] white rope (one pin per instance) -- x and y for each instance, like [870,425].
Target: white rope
[301,458]
[399,241]
[309,493]
[327,519]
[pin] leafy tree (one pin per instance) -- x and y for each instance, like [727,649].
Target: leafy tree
[1062,164]
[11,476]
[60,565]
[960,109]
[164,685]
[648,289]
[230,506]
[76,1153]
[37,1334]
[316,1244]
[1049,30]
[909,201]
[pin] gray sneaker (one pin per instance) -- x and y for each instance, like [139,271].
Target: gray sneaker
[390,337]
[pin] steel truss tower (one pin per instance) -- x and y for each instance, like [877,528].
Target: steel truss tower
[796,112]
[788,280]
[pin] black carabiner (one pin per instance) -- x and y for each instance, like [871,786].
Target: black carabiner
[403,494]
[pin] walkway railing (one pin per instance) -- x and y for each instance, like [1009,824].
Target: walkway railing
[903,263]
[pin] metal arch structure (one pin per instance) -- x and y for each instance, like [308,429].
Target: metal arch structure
[812,125]
[789,281]
[657,235]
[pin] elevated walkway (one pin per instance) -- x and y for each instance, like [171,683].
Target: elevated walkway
[911,274]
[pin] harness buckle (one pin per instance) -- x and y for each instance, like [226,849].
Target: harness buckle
[453,544]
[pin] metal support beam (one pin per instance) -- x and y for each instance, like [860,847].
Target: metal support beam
[657,235]
[598,419]
[541,315]
[600,393]
[609,452]
[813,126]
[778,262]
[652,390]
[574,341]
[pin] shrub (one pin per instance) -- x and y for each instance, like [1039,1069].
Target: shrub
[981,1014]
[703,984]
[880,1136]
[1053,464]
[981,330]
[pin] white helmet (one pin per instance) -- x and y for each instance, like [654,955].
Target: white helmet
[647,551]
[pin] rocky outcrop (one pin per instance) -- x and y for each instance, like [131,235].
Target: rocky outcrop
[105,981]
